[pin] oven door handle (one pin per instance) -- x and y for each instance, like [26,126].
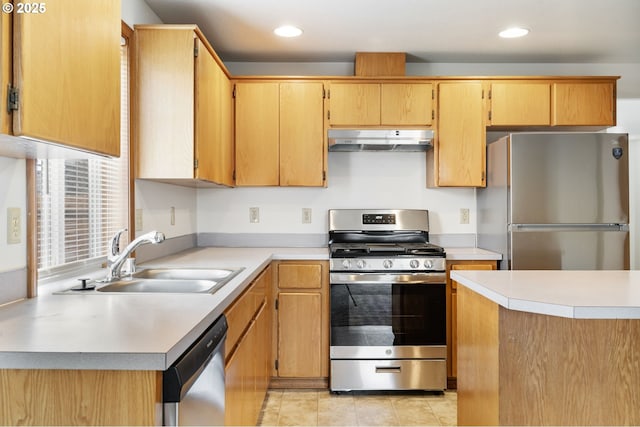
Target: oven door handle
[377,278]
[388,369]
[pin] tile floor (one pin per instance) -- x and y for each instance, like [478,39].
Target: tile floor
[322,408]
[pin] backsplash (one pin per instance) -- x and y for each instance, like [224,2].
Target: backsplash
[355,180]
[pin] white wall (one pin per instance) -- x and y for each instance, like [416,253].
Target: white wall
[13,194]
[629,121]
[355,180]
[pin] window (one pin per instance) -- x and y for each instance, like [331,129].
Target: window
[82,203]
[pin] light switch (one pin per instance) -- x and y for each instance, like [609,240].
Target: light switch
[14,226]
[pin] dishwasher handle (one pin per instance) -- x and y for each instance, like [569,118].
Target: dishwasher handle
[178,379]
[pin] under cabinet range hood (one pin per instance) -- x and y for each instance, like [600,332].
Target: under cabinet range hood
[380,140]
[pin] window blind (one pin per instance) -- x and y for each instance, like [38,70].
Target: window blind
[82,203]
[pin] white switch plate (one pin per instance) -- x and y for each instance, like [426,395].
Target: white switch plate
[138,219]
[464,216]
[306,215]
[254,215]
[14,226]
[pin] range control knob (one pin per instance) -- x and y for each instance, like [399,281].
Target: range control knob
[414,263]
[387,263]
[346,263]
[360,263]
[428,263]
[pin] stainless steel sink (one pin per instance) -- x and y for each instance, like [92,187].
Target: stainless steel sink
[173,280]
[215,274]
[161,285]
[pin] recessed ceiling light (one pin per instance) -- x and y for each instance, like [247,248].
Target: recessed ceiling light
[513,32]
[288,31]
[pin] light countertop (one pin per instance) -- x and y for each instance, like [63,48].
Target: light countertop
[470,254]
[138,331]
[572,294]
[133,331]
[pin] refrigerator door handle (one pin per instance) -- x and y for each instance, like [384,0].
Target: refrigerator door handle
[569,227]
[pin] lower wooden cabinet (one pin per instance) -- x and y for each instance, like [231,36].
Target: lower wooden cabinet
[301,324]
[248,352]
[452,313]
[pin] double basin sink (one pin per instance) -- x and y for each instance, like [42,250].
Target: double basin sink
[173,280]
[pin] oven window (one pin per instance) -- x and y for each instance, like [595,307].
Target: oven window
[388,314]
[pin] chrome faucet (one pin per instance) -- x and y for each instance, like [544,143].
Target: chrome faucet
[115,259]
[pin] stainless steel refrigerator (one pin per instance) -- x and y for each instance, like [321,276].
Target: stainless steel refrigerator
[557,201]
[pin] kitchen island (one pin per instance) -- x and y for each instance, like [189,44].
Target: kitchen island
[548,347]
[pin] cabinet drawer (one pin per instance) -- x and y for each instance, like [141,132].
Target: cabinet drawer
[244,309]
[299,276]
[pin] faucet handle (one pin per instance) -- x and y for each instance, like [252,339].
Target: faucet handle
[114,244]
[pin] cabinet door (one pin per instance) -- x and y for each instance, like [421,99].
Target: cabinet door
[213,142]
[520,104]
[299,334]
[257,134]
[406,104]
[584,104]
[461,135]
[207,135]
[301,134]
[453,312]
[354,104]
[67,71]
[6,71]
[165,107]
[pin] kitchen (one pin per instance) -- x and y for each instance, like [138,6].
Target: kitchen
[221,215]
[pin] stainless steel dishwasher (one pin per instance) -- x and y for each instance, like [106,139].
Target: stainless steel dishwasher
[193,387]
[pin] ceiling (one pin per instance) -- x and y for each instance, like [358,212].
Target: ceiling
[436,31]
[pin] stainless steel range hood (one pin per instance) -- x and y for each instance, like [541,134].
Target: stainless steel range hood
[380,140]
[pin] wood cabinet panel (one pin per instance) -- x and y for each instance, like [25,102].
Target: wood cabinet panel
[183,108]
[80,397]
[299,328]
[212,120]
[257,134]
[584,104]
[520,104]
[406,104]
[452,310]
[301,323]
[354,104]
[165,135]
[248,363]
[67,70]
[6,72]
[292,276]
[301,134]
[461,135]
[207,135]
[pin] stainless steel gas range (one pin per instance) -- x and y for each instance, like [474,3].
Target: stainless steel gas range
[388,311]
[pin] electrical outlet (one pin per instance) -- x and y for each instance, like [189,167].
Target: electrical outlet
[173,215]
[138,219]
[254,215]
[13,226]
[306,215]
[464,216]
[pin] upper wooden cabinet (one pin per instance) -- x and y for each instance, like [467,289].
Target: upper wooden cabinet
[380,104]
[458,158]
[552,103]
[580,103]
[183,110]
[520,104]
[65,74]
[280,134]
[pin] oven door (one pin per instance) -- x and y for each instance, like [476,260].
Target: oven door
[388,316]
